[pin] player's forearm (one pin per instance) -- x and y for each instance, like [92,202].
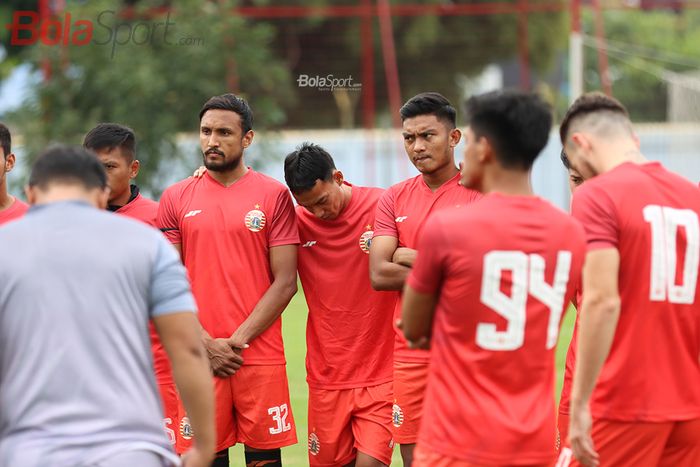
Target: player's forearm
[597,324]
[193,380]
[388,276]
[266,312]
[417,315]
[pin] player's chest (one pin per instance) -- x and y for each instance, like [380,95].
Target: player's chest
[345,241]
[413,213]
[225,213]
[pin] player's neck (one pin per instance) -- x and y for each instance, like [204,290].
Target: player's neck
[438,178]
[618,154]
[122,199]
[229,177]
[347,195]
[5,199]
[508,182]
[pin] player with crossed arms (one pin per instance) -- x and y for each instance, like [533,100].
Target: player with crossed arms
[488,299]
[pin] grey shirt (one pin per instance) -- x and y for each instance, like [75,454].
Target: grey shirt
[77,289]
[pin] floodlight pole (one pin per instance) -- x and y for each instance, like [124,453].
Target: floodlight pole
[575,53]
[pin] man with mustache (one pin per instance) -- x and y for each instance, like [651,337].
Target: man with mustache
[10,207]
[430,136]
[237,234]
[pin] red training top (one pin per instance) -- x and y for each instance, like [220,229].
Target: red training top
[349,336]
[501,297]
[226,235]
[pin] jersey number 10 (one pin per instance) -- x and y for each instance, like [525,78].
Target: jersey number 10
[527,278]
[664,223]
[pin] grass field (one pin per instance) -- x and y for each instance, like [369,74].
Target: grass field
[294,324]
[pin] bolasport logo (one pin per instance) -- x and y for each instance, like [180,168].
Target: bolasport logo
[107,29]
[328,83]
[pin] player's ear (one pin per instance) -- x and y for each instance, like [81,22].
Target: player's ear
[484,150]
[338,177]
[30,193]
[134,169]
[248,138]
[101,197]
[455,137]
[9,162]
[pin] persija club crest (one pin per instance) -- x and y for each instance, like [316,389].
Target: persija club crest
[366,239]
[255,219]
[397,415]
[314,444]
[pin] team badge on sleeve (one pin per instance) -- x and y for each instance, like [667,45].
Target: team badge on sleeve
[255,219]
[314,444]
[186,428]
[366,239]
[397,415]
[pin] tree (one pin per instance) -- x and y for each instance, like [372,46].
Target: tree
[642,45]
[152,70]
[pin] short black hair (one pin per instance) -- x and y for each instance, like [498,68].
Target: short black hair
[5,140]
[565,160]
[109,136]
[308,163]
[430,103]
[68,165]
[232,103]
[517,125]
[592,102]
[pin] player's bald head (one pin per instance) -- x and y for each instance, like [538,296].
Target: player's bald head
[598,114]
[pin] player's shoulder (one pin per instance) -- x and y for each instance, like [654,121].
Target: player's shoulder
[177,189]
[368,194]
[404,185]
[146,202]
[265,182]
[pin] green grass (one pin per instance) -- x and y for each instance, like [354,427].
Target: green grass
[294,329]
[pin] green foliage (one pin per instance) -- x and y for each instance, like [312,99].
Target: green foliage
[156,83]
[643,45]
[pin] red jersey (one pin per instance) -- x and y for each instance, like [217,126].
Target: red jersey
[565,399]
[226,235]
[16,210]
[141,208]
[401,213]
[502,293]
[349,336]
[650,216]
[146,210]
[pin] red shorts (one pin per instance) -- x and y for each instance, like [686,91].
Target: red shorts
[345,421]
[425,457]
[410,381]
[664,444]
[562,430]
[171,413]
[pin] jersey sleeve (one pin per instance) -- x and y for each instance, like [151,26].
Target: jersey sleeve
[283,230]
[384,218]
[170,289]
[427,272]
[166,219]
[596,212]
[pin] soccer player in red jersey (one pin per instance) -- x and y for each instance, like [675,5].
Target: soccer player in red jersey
[115,146]
[636,391]
[349,334]
[10,207]
[487,292]
[575,180]
[430,136]
[237,233]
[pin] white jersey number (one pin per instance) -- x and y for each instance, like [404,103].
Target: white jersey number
[527,278]
[279,415]
[664,223]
